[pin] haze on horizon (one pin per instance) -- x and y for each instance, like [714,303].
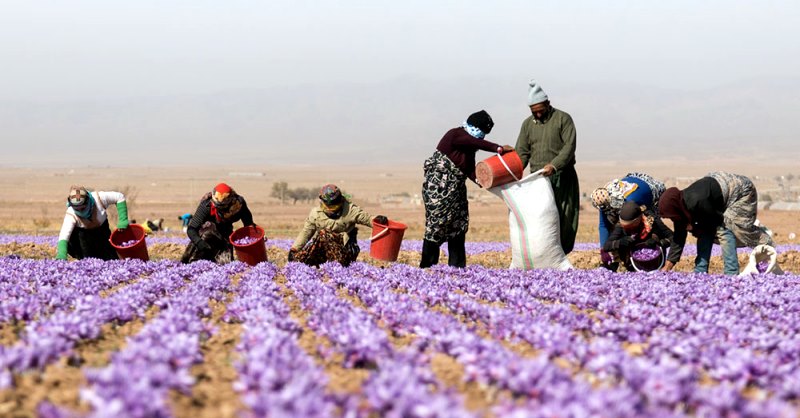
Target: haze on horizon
[364,81]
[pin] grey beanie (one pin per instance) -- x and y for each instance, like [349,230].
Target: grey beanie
[535,93]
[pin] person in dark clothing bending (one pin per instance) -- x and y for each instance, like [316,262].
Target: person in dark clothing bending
[638,225]
[720,207]
[444,191]
[212,224]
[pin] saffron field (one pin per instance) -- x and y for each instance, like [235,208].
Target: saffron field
[158,338]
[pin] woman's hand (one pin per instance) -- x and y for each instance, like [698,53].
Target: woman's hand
[504,149]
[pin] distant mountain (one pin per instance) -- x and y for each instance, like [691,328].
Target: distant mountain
[397,122]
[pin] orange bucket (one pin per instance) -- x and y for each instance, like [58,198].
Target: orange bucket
[385,241]
[499,169]
[254,252]
[135,233]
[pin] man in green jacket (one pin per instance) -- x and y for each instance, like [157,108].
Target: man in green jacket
[547,141]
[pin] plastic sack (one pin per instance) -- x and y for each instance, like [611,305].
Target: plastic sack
[763,254]
[533,223]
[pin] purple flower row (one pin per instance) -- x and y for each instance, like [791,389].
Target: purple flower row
[401,383]
[276,377]
[30,289]
[47,339]
[485,361]
[676,317]
[651,384]
[159,357]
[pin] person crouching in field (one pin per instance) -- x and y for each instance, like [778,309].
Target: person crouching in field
[212,225]
[85,231]
[444,191]
[642,189]
[638,225]
[330,232]
[720,207]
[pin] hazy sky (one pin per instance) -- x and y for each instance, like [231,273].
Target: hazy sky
[58,50]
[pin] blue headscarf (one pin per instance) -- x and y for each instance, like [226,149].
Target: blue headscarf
[475,132]
[86,213]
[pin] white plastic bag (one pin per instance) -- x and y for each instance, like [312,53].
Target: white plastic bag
[533,223]
[763,253]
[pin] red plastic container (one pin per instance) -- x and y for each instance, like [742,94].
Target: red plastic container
[254,252]
[498,170]
[132,232]
[386,239]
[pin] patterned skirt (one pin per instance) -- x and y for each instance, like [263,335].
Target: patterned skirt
[328,246]
[444,193]
[741,208]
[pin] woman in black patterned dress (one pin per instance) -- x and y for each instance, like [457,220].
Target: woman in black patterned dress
[445,192]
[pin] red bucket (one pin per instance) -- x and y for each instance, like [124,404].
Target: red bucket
[385,241]
[499,169]
[135,233]
[254,252]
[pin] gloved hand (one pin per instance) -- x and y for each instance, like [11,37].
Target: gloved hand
[202,246]
[292,252]
[122,211]
[625,242]
[653,241]
[382,220]
[61,250]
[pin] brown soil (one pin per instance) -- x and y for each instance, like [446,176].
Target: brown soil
[61,382]
[213,394]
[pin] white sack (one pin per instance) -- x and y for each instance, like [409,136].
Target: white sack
[533,223]
[763,253]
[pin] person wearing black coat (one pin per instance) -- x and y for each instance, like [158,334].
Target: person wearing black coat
[212,224]
[639,225]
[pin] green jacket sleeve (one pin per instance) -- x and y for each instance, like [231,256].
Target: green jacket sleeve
[362,217]
[308,231]
[567,153]
[61,250]
[122,211]
[523,146]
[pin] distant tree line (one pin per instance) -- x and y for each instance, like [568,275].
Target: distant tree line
[282,192]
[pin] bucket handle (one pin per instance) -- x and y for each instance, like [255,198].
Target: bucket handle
[507,167]
[379,234]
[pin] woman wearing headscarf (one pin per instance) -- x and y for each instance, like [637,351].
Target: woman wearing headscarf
[638,225]
[720,207]
[212,224]
[329,232]
[85,231]
[444,191]
[640,188]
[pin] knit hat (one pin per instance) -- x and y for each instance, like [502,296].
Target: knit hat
[535,93]
[482,121]
[671,205]
[329,194]
[630,211]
